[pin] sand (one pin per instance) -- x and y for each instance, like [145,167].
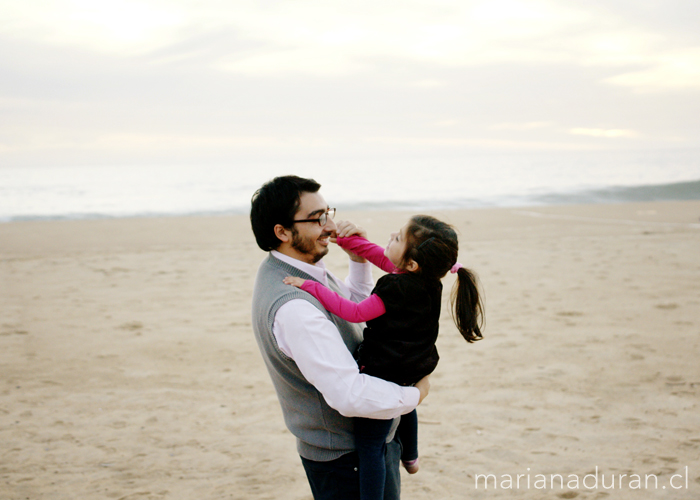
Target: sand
[129,369]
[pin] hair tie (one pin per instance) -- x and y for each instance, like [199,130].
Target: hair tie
[456,268]
[425,242]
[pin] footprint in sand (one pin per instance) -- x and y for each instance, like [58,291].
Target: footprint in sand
[568,494]
[667,306]
[675,381]
[570,314]
[131,325]
[13,329]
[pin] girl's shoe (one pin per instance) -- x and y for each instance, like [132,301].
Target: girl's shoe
[411,466]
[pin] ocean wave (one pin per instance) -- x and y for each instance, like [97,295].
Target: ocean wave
[677,191]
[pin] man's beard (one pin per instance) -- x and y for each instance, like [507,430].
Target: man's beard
[307,246]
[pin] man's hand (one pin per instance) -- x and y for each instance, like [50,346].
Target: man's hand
[423,385]
[346,228]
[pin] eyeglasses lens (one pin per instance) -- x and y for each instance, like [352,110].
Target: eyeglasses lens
[324,217]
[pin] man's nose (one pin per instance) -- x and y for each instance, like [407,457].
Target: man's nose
[330,225]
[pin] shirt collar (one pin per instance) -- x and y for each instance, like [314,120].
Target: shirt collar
[317,271]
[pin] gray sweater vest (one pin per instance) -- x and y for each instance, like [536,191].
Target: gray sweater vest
[322,433]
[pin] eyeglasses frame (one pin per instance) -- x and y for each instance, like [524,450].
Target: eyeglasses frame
[324,215]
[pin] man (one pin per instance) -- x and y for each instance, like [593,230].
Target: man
[307,350]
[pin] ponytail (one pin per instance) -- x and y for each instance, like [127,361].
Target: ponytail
[467,308]
[433,245]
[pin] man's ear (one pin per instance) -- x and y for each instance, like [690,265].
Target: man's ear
[282,233]
[412,266]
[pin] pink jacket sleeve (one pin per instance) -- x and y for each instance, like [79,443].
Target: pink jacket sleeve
[370,251]
[369,308]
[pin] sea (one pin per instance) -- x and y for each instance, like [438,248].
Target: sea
[476,180]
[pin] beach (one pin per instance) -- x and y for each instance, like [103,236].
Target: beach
[130,370]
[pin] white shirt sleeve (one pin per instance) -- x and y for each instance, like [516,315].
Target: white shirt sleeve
[359,281]
[305,334]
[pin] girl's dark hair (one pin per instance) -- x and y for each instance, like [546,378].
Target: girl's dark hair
[433,245]
[274,203]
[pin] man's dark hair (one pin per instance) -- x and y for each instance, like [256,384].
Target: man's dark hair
[274,203]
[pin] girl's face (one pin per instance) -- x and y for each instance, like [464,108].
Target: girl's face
[396,248]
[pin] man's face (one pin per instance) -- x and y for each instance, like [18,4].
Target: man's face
[310,240]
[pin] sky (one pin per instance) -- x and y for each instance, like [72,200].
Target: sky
[235,81]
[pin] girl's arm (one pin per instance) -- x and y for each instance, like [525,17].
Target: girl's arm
[370,251]
[366,310]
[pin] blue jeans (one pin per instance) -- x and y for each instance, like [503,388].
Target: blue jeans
[408,434]
[339,478]
[370,441]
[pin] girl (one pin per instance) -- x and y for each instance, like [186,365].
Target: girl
[402,315]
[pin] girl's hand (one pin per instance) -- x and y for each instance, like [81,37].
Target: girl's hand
[347,228]
[294,281]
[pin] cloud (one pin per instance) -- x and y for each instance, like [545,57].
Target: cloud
[449,33]
[305,35]
[312,61]
[457,143]
[428,83]
[521,126]
[133,76]
[126,27]
[320,38]
[607,133]
[674,70]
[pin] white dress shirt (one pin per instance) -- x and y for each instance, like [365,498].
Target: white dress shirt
[307,336]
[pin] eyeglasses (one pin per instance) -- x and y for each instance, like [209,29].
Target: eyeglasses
[322,219]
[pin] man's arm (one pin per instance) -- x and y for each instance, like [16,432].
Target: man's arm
[307,336]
